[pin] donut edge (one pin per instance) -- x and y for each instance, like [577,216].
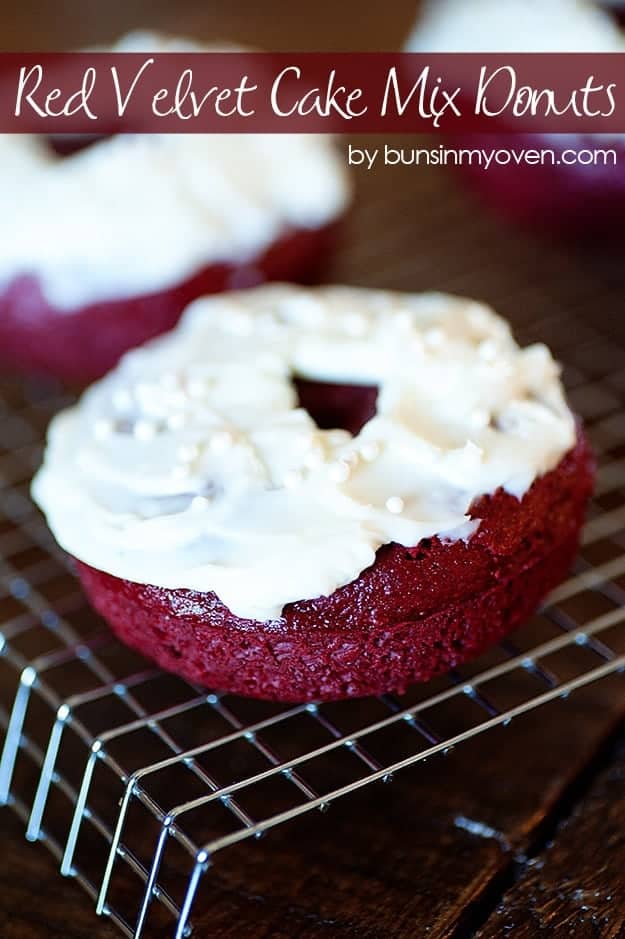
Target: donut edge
[415,613]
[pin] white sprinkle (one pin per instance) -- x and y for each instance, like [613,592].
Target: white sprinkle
[240,322]
[480,418]
[268,361]
[395,505]
[189,452]
[122,399]
[268,322]
[221,441]
[103,428]
[472,448]
[307,440]
[404,319]
[355,324]
[180,472]
[176,421]
[144,430]
[178,397]
[169,380]
[370,452]
[196,388]
[199,503]
[314,456]
[304,311]
[487,350]
[478,316]
[291,479]
[434,337]
[340,471]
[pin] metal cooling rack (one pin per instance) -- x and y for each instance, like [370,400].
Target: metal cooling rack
[136,780]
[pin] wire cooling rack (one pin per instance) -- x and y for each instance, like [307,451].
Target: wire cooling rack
[136,780]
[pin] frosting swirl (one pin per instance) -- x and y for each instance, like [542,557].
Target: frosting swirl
[135,214]
[191,465]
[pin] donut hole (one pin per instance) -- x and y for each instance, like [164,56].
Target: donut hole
[334,406]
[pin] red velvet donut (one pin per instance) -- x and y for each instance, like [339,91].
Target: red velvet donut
[84,344]
[416,612]
[570,184]
[246,520]
[107,238]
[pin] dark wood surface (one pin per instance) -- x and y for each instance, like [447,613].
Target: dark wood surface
[520,832]
[575,886]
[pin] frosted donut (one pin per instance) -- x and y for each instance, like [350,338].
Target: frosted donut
[103,249]
[573,197]
[258,547]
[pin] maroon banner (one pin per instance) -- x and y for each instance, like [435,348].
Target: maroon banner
[225,92]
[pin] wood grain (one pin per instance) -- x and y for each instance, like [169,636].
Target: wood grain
[35,901]
[575,887]
[398,860]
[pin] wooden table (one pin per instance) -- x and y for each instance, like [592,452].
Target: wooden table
[520,832]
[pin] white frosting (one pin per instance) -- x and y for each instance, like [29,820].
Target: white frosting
[191,464]
[515,26]
[136,214]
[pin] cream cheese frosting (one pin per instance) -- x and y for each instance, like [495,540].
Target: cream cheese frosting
[135,214]
[191,465]
[515,26]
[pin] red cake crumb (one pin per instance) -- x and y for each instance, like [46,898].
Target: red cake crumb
[82,345]
[416,612]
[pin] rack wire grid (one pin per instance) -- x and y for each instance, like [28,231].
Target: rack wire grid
[136,780]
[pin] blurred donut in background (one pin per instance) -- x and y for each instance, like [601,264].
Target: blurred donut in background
[578,188]
[105,245]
